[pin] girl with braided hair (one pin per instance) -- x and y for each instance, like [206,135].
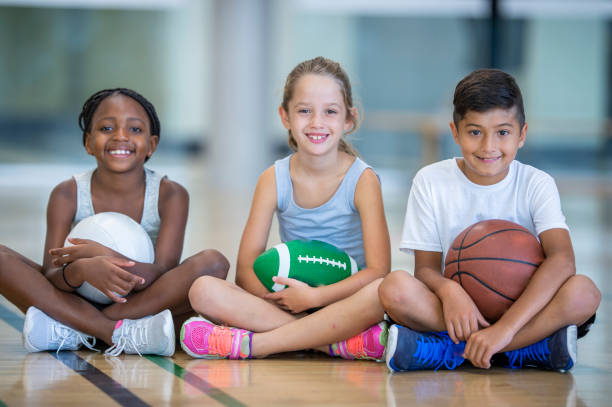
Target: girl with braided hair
[121,131]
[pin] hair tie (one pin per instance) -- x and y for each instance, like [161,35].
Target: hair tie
[64,276]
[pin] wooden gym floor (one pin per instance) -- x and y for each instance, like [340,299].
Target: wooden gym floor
[298,379]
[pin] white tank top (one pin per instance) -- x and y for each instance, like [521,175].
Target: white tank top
[150,214]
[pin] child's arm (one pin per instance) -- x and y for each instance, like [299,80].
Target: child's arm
[173,208]
[461,316]
[60,212]
[256,231]
[298,296]
[557,267]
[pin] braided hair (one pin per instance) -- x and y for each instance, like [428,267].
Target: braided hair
[91,105]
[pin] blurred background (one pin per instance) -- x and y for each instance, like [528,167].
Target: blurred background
[215,71]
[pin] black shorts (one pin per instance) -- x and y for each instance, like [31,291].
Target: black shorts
[586,327]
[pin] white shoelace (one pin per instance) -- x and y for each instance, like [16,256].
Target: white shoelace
[61,333]
[131,334]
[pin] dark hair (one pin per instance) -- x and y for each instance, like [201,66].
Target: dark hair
[486,89]
[327,67]
[91,105]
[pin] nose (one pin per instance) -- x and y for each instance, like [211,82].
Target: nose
[488,142]
[120,133]
[316,119]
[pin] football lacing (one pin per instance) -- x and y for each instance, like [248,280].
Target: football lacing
[321,260]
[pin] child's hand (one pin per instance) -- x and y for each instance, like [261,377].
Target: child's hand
[106,273]
[482,345]
[81,249]
[461,316]
[297,297]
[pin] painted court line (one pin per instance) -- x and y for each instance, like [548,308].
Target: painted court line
[115,390]
[95,376]
[196,381]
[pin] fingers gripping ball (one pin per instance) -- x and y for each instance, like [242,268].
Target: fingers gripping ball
[312,262]
[493,261]
[118,232]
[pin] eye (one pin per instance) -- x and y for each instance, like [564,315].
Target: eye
[474,132]
[504,132]
[331,111]
[105,129]
[304,111]
[135,129]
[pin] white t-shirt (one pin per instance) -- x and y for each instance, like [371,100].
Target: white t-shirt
[443,202]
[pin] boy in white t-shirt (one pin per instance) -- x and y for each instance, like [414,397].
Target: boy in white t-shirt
[540,328]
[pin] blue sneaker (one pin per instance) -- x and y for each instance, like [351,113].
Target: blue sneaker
[411,350]
[557,352]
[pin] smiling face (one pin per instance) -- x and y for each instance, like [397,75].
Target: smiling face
[489,142]
[120,138]
[317,116]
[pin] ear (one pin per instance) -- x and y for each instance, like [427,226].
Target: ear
[284,117]
[523,136]
[351,119]
[153,143]
[454,131]
[88,142]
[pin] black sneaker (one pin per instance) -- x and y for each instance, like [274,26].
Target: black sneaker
[411,350]
[557,352]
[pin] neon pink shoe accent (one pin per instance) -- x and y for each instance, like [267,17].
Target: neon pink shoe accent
[202,339]
[370,344]
[118,324]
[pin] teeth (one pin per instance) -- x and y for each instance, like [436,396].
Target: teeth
[120,152]
[317,137]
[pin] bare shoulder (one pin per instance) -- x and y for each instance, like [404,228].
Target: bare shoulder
[368,181]
[65,191]
[173,198]
[172,190]
[268,177]
[62,204]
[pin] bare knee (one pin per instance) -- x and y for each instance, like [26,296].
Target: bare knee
[5,252]
[206,294]
[5,255]
[394,291]
[209,262]
[580,298]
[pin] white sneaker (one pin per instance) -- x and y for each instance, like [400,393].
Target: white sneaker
[41,333]
[152,335]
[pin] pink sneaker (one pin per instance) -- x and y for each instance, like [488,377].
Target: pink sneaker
[368,345]
[201,338]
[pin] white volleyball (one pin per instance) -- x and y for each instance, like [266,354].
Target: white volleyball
[118,232]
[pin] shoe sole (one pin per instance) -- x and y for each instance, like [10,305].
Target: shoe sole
[169,351]
[27,327]
[384,334]
[390,348]
[185,348]
[572,346]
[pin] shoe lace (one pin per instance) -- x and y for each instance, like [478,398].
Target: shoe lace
[220,341]
[437,349]
[537,351]
[356,346]
[131,336]
[63,334]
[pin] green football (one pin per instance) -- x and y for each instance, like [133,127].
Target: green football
[312,262]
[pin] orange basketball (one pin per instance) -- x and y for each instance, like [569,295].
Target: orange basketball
[493,261]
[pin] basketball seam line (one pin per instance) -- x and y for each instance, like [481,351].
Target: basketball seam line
[459,273]
[492,258]
[485,236]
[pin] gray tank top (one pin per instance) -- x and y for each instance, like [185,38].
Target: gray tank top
[150,214]
[336,222]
